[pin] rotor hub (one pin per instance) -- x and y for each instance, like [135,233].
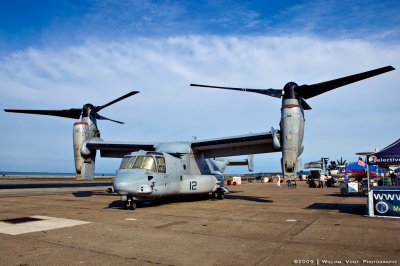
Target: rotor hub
[288,91]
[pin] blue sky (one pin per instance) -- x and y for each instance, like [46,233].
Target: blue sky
[62,54]
[40,23]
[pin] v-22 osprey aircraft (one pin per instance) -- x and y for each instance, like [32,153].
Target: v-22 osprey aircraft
[150,170]
[147,170]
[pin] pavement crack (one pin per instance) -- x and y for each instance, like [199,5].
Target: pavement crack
[170,224]
[96,251]
[263,260]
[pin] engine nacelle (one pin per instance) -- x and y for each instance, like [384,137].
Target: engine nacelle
[276,138]
[289,168]
[301,149]
[84,161]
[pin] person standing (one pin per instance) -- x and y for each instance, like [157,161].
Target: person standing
[322,181]
[393,178]
[278,180]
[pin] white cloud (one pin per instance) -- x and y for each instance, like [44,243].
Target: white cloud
[341,123]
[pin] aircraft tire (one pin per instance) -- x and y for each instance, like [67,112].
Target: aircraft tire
[133,205]
[130,205]
[213,196]
[221,194]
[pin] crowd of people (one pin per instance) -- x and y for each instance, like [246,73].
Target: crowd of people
[328,181]
[290,183]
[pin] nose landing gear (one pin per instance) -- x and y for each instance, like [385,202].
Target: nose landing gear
[130,204]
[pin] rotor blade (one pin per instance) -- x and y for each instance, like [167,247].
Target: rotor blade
[304,104]
[269,92]
[98,108]
[68,113]
[308,91]
[100,117]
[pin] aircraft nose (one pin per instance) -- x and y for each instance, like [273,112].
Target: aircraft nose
[119,186]
[130,181]
[123,182]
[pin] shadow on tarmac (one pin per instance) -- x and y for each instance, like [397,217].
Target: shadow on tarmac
[161,201]
[248,198]
[184,198]
[89,193]
[349,195]
[357,209]
[231,195]
[37,184]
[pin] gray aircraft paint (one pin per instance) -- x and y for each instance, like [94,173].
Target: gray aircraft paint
[204,176]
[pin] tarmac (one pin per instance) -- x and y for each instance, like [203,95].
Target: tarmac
[256,224]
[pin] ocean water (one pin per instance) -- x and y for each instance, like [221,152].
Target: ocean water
[5,173]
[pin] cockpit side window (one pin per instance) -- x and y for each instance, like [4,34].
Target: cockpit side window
[127,162]
[161,167]
[145,162]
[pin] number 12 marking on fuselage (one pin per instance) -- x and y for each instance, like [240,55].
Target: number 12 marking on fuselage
[193,185]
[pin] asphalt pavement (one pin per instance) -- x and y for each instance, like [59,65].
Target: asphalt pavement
[257,224]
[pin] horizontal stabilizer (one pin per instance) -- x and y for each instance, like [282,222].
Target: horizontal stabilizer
[248,162]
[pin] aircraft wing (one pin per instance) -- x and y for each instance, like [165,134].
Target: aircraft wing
[236,145]
[117,149]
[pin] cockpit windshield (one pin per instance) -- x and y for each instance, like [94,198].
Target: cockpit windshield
[149,162]
[145,162]
[127,162]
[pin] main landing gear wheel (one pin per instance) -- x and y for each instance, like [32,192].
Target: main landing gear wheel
[213,196]
[220,194]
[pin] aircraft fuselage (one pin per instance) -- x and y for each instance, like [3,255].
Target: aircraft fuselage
[152,174]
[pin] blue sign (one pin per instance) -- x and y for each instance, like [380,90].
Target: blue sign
[387,156]
[386,202]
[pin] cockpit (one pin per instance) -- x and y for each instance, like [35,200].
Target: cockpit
[152,162]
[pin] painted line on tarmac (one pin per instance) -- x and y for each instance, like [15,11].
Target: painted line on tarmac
[35,223]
